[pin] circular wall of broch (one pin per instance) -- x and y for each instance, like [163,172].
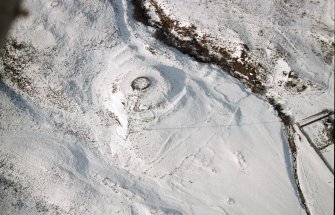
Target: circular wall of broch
[140,83]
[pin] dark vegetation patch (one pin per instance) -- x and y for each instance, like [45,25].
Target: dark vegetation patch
[151,50]
[140,12]
[41,207]
[15,57]
[114,118]
[328,131]
[58,98]
[114,88]
[278,107]
[291,142]
[327,51]
[8,182]
[296,84]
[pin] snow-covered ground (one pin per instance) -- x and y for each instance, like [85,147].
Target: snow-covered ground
[76,138]
[316,180]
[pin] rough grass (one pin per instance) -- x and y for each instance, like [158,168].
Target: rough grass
[15,57]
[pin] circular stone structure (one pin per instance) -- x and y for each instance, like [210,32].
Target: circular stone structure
[140,83]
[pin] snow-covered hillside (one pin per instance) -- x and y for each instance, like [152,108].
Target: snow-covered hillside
[97,116]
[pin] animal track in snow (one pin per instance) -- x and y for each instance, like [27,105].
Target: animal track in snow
[241,161]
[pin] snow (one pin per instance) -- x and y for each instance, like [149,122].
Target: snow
[196,141]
